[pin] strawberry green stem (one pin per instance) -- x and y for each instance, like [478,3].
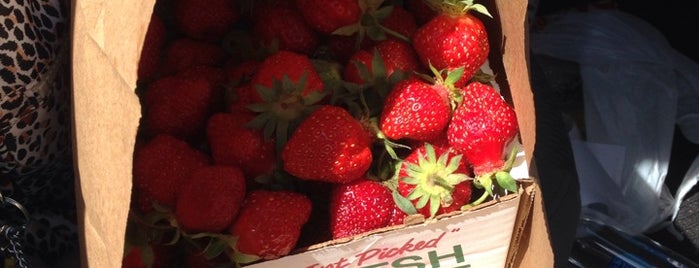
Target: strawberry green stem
[477,201]
[395,34]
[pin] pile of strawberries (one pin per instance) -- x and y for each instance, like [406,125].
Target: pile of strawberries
[272,125]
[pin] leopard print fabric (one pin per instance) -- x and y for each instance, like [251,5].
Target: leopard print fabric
[36,165]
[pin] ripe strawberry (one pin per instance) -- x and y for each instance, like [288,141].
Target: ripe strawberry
[287,28]
[184,53]
[238,93]
[240,98]
[159,256]
[293,65]
[153,44]
[341,47]
[455,38]
[360,206]
[238,73]
[415,109]
[329,145]
[396,56]
[421,11]
[196,258]
[286,86]
[400,22]
[435,179]
[178,106]
[205,20]
[233,143]
[481,127]
[210,199]
[216,78]
[161,166]
[254,9]
[326,16]
[269,223]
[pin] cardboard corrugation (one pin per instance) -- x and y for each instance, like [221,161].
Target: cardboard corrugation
[107,40]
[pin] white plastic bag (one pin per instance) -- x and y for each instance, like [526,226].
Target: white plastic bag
[636,89]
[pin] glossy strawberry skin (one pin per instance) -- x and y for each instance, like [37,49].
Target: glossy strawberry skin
[269,223]
[288,28]
[210,199]
[358,207]
[326,16]
[329,145]
[232,143]
[482,126]
[161,166]
[415,109]
[449,42]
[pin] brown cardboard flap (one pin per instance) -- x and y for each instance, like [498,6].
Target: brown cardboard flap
[534,248]
[107,40]
[107,37]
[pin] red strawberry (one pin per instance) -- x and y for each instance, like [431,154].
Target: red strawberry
[286,86]
[151,53]
[290,64]
[184,53]
[254,9]
[415,109]
[205,20]
[396,56]
[397,215]
[159,257]
[326,16]
[481,127]
[287,28]
[401,22]
[240,98]
[238,73]
[233,143]
[329,145]
[453,39]
[161,166]
[360,206]
[178,106]
[435,179]
[341,47]
[198,259]
[269,223]
[216,78]
[210,199]
[421,11]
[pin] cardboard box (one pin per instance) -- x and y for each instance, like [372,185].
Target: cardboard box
[107,40]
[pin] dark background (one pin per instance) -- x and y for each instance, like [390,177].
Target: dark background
[678,20]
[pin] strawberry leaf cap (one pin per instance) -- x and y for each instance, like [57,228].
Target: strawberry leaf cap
[446,79]
[369,25]
[496,183]
[434,178]
[283,107]
[457,7]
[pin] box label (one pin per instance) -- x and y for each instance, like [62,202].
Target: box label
[476,239]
